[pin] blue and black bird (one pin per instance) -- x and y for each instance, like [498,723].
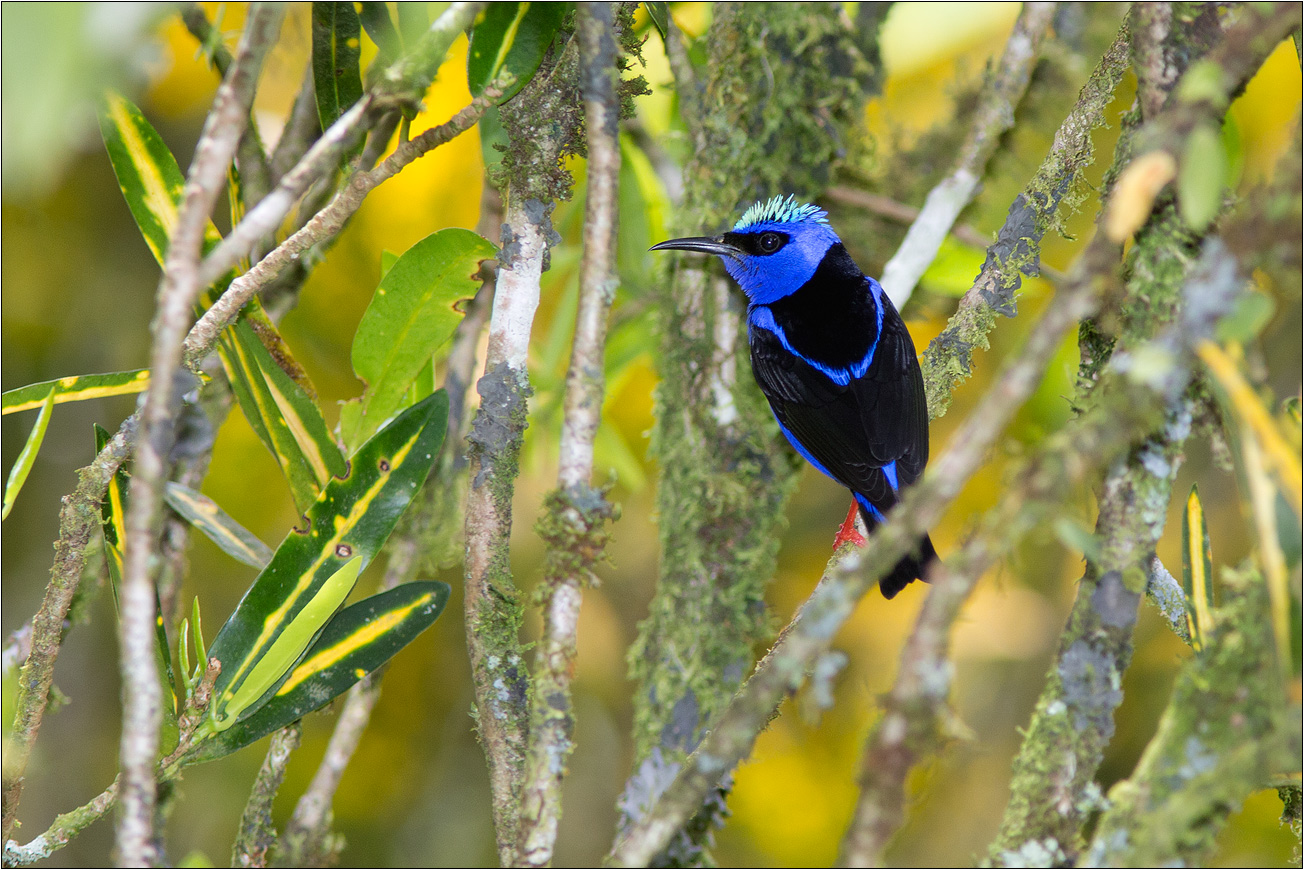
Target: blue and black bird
[832,356]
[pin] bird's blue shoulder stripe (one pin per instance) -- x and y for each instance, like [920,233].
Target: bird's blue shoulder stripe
[760,316]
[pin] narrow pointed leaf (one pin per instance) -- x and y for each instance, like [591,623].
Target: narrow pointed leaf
[27,457]
[344,528]
[357,641]
[75,388]
[148,174]
[217,525]
[411,314]
[512,37]
[336,51]
[380,27]
[282,414]
[658,14]
[1197,570]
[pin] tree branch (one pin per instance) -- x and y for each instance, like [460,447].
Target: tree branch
[995,115]
[257,835]
[947,359]
[178,291]
[574,524]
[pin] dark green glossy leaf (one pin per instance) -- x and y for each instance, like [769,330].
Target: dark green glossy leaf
[336,50]
[359,639]
[204,514]
[659,15]
[281,412]
[340,534]
[512,37]
[412,313]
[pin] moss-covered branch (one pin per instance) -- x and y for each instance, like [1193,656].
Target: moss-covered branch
[779,96]
[256,836]
[1226,731]
[947,359]
[994,116]
[574,522]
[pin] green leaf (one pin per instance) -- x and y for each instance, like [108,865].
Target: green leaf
[1202,178]
[513,37]
[1197,570]
[313,569]
[75,388]
[113,513]
[1249,315]
[336,51]
[360,639]
[148,174]
[23,464]
[282,414]
[413,22]
[380,27]
[412,313]
[204,514]
[659,15]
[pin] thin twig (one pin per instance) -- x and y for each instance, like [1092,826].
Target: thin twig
[264,218]
[142,700]
[65,827]
[78,519]
[301,129]
[250,157]
[947,358]
[995,115]
[323,226]
[257,835]
[574,524]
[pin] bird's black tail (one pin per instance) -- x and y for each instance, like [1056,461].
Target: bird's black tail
[909,569]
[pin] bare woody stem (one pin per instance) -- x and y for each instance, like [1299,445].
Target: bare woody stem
[995,115]
[79,517]
[142,697]
[574,524]
[323,226]
[257,835]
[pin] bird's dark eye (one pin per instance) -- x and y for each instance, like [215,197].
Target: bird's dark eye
[770,242]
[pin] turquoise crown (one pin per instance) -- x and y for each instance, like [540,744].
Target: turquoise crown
[781,210]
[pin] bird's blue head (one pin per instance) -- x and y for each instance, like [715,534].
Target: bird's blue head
[773,250]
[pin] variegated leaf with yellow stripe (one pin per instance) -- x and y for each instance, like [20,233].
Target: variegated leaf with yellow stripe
[1197,571]
[357,641]
[313,570]
[280,409]
[217,525]
[75,388]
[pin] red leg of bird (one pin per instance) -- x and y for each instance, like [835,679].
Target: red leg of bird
[849,532]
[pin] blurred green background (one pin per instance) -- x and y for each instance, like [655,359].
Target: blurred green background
[78,285]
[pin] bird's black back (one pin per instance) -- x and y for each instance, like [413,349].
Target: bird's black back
[853,429]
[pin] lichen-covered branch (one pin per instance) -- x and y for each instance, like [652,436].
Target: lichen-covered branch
[61,832]
[769,114]
[1225,732]
[540,123]
[142,697]
[947,359]
[256,836]
[574,525]
[78,520]
[994,116]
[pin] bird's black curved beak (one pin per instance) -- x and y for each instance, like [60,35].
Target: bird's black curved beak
[700,244]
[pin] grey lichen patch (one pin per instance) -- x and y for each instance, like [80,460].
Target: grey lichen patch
[499,427]
[1226,728]
[1091,688]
